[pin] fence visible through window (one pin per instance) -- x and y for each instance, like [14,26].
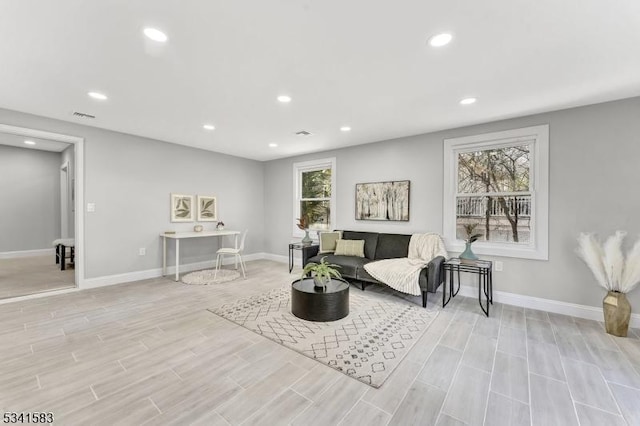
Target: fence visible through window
[496,218]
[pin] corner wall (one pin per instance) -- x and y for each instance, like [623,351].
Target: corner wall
[594,153]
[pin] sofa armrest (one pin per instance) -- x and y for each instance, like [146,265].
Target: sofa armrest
[308,253]
[435,273]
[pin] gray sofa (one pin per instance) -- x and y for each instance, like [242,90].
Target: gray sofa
[378,246]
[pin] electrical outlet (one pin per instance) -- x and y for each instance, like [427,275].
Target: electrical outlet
[142,251]
[91,207]
[498,266]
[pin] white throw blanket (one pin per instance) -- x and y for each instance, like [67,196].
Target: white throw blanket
[403,274]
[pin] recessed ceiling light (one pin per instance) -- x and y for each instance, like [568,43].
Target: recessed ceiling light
[209,127]
[273,145]
[468,101]
[345,129]
[440,40]
[97,95]
[284,98]
[155,35]
[29,142]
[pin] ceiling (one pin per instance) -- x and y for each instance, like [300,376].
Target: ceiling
[363,64]
[40,144]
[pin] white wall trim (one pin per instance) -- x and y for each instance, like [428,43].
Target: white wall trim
[39,295]
[305,166]
[278,258]
[157,272]
[78,144]
[565,308]
[28,253]
[556,306]
[538,138]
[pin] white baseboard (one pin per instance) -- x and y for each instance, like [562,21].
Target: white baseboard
[157,272]
[27,253]
[275,257]
[555,306]
[565,308]
[39,295]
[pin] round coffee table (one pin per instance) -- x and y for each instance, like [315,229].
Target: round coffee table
[317,304]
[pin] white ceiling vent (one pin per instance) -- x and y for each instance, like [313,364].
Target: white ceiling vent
[304,133]
[82,115]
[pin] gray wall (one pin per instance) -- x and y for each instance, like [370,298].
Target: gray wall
[594,152]
[130,179]
[30,193]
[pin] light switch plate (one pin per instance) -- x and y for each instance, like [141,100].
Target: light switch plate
[91,207]
[499,266]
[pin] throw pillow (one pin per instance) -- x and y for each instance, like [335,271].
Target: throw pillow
[328,241]
[350,248]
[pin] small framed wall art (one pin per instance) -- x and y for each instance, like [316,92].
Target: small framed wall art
[383,201]
[207,209]
[181,208]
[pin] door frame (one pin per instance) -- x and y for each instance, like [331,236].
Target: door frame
[78,148]
[64,200]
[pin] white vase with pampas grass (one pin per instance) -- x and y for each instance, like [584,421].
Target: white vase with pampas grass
[617,274]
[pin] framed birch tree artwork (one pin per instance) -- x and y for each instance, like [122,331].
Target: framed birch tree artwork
[207,209]
[181,208]
[383,201]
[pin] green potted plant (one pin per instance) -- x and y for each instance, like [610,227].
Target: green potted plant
[321,272]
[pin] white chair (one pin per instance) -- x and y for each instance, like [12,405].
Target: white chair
[237,252]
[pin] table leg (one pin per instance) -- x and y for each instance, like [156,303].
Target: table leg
[456,293]
[177,258]
[290,258]
[444,287]
[63,257]
[235,258]
[491,286]
[164,256]
[481,289]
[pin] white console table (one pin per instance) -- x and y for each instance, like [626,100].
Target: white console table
[185,235]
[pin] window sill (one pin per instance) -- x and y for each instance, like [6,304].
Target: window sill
[500,250]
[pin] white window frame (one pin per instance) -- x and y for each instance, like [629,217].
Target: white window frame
[309,166]
[538,138]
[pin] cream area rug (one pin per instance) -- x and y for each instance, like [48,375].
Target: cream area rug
[206,277]
[367,345]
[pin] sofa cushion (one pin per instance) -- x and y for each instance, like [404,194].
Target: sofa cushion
[350,248]
[327,241]
[392,246]
[349,265]
[370,241]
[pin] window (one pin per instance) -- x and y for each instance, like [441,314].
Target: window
[314,194]
[496,186]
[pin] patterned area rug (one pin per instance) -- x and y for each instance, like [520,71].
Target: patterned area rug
[367,345]
[206,277]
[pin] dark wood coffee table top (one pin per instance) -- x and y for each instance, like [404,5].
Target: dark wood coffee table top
[317,304]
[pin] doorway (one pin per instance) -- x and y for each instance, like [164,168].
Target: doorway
[43,179]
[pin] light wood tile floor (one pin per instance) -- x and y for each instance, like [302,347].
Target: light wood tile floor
[29,275]
[150,353]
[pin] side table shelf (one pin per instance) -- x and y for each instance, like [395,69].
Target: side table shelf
[482,268]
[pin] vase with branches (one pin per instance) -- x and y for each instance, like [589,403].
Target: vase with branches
[468,255]
[614,272]
[303,224]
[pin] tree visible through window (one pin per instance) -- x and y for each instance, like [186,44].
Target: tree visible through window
[315,200]
[494,193]
[314,194]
